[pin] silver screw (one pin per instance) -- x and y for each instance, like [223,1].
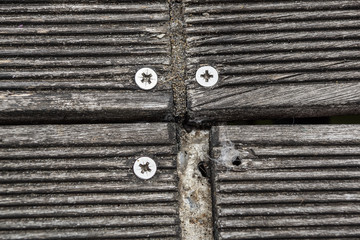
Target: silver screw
[146,78]
[207,76]
[144,168]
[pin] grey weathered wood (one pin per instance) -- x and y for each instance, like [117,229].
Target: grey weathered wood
[87,135]
[293,182]
[274,101]
[63,199]
[95,233]
[291,233]
[275,60]
[115,163]
[90,210]
[89,105]
[83,152]
[267,5]
[291,221]
[84,187]
[79,8]
[76,62]
[76,182]
[296,195]
[78,175]
[96,222]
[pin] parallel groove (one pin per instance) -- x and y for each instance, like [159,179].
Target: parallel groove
[78,8]
[89,210]
[95,233]
[225,18]
[61,45]
[299,36]
[77,182]
[265,43]
[276,195]
[290,192]
[85,187]
[116,163]
[95,222]
[291,221]
[82,199]
[80,175]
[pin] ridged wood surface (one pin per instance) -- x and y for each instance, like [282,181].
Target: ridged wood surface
[75,61]
[275,59]
[292,182]
[77,182]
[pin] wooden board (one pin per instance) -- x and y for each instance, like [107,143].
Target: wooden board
[275,59]
[286,182]
[77,182]
[75,61]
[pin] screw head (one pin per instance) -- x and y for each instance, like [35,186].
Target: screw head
[146,78]
[207,76]
[144,168]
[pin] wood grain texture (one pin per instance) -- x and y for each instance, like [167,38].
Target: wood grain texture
[76,182]
[70,62]
[84,105]
[275,59]
[291,182]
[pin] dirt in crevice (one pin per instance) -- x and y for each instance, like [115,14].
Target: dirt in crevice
[195,203]
[178,59]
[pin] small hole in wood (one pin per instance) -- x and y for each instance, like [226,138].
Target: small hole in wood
[237,162]
[202,169]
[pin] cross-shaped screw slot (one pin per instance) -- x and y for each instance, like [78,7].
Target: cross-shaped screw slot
[145,167]
[146,78]
[206,76]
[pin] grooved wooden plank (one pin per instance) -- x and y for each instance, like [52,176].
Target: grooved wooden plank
[79,8]
[286,209]
[83,152]
[288,182]
[89,19]
[226,17]
[115,163]
[291,233]
[274,101]
[289,135]
[64,199]
[245,6]
[77,175]
[77,182]
[298,195]
[85,222]
[66,62]
[89,210]
[85,187]
[295,151]
[87,135]
[92,105]
[94,233]
[275,59]
[290,221]
[283,37]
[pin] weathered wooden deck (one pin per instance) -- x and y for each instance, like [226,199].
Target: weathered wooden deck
[276,59]
[287,182]
[73,61]
[73,121]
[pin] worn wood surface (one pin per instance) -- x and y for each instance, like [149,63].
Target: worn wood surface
[62,61]
[76,182]
[275,59]
[292,182]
